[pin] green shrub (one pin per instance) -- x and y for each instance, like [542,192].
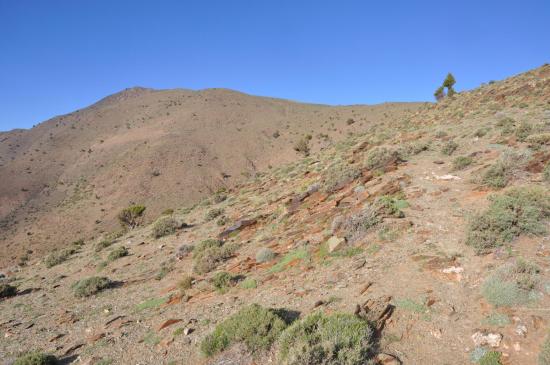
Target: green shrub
[222,221]
[491,358]
[249,283]
[520,210]
[380,157]
[164,226]
[208,254]
[546,173]
[117,253]
[165,268]
[536,141]
[461,162]
[58,257]
[297,254]
[131,217]
[544,354]
[168,211]
[7,290]
[449,147]
[507,124]
[255,326]
[213,213]
[512,284]
[36,358]
[302,146]
[523,131]
[500,173]
[223,280]
[338,175]
[336,339]
[103,244]
[90,286]
[264,255]
[480,132]
[392,206]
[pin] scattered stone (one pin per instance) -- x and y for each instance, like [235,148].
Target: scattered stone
[334,243]
[446,177]
[236,227]
[318,304]
[486,339]
[387,359]
[377,310]
[365,288]
[521,330]
[187,331]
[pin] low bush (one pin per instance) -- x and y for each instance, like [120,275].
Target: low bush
[302,146]
[335,339]
[461,162]
[264,255]
[512,284]
[7,290]
[523,131]
[91,286]
[500,173]
[491,358]
[518,211]
[380,157]
[213,213]
[254,326]
[449,148]
[544,353]
[536,141]
[103,244]
[338,175]
[117,253]
[36,358]
[356,226]
[546,173]
[292,256]
[391,206]
[58,257]
[208,254]
[223,280]
[164,226]
[186,282]
[131,217]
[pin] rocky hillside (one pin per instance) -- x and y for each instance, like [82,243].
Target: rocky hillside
[424,240]
[69,177]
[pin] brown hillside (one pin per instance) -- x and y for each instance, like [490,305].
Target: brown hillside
[68,177]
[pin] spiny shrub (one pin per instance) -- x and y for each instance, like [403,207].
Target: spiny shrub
[213,213]
[461,162]
[302,146]
[509,163]
[544,354]
[253,325]
[336,339]
[131,217]
[7,290]
[357,225]
[449,147]
[164,226]
[208,254]
[117,253]
[58,257]
[264,254]
[90,286]
[380,157]
[511,284]
[223,280]
[338,175]
[520,210]
[186,282]
[36,358]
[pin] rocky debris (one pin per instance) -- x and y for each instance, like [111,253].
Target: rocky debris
[377,310]
[446,177]
[387,359]
[521,330]
[236,227]
[294,202]
[168,323]
[335,243]
[454,272]
[486,339]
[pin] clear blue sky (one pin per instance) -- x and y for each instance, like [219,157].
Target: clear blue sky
[58,56]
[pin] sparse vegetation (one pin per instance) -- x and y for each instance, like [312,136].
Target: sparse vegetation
[249,283]
[536,141]
[380,157]
[131,217]
[338,175]
[490,358]
[208,254]
[117,253]
[302,145]
[36,358]
[335,339]
[512,284]
[449,148]
[91,286]
[390,205]
[58,257]
[546,173]
[461,162]
[103,244]
[502,171]
[264,254]
[357,225]
[164,226]
[544,353]
[520,210]
[255,326]
[213,213]
[7,290]
[186,282]
[292,256]
[223,280]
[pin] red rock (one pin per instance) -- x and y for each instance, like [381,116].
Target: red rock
[168,323]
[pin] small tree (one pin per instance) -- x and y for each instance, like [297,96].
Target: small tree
[439,93]
[448,83]
[130,217]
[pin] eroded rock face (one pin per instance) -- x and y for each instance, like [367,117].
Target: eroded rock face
[377,310]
